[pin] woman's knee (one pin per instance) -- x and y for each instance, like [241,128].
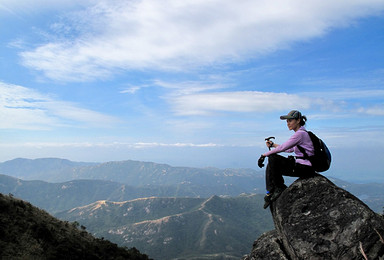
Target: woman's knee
[274,158]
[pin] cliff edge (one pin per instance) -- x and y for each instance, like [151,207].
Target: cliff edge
[315,219]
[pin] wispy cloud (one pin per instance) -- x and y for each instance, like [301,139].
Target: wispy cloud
[138,145]
[112,36]
[355,86]
[240,101]
[348,94]
[24,108]
[346,102]
[191,87]
[151,145]
[377,110]
[131,90]
[26,6]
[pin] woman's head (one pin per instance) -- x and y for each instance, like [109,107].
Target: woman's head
[294,118]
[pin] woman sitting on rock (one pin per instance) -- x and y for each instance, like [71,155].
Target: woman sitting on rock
[292,166]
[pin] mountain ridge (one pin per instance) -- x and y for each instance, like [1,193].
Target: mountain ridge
[173,228]
[40,168]
[139,174]
[27,232]
[56,197]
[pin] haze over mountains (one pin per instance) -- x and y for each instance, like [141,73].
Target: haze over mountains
[186,212]
[130,172]
[126,180]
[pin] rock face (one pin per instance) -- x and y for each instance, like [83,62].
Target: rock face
[315,219]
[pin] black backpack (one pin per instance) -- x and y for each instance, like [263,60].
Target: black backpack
[321,160]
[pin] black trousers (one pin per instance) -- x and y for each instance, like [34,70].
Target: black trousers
[279,166]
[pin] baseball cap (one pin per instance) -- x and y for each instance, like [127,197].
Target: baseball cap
[294,114]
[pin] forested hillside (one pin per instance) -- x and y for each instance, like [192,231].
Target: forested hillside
[27,232]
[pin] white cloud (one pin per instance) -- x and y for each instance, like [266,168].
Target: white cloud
[350,102]
[116,145]
[238,101]
[171,34]
[368,86]
[131,90]
[343,94]
[377,110]
[37,6]
[341,101]
[152,145]
[24,108]
[191,87]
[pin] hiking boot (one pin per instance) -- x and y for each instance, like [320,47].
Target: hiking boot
[267,200]
[277,193]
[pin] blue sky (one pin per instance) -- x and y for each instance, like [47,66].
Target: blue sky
[191,83]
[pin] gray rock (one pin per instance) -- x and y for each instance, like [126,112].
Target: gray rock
[268,247]
[315,219]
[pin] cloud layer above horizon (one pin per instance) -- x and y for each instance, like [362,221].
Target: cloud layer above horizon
[111,37]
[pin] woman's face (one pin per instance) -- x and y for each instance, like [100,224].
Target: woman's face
[293,124]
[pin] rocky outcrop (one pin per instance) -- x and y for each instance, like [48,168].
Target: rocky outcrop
[315,219]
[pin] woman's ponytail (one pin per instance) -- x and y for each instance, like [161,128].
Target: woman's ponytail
[303,119]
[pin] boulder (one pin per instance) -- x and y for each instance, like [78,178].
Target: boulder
[315,219]
[268,246]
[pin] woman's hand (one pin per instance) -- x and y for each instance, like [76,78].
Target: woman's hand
[270,144]
[260,162]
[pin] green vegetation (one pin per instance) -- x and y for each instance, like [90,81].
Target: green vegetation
[27,232]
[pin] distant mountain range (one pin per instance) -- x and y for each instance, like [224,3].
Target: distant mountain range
[47,169]
[55,197]
[135,173]
[178,228]
[165,211]
[78,183]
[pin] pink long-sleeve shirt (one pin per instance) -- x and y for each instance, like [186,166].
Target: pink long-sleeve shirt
[301,138]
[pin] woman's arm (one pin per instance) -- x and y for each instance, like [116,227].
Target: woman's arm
[287,146]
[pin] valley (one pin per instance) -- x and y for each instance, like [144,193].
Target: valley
[172,227]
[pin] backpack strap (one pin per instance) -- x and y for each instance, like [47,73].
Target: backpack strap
[302,150]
